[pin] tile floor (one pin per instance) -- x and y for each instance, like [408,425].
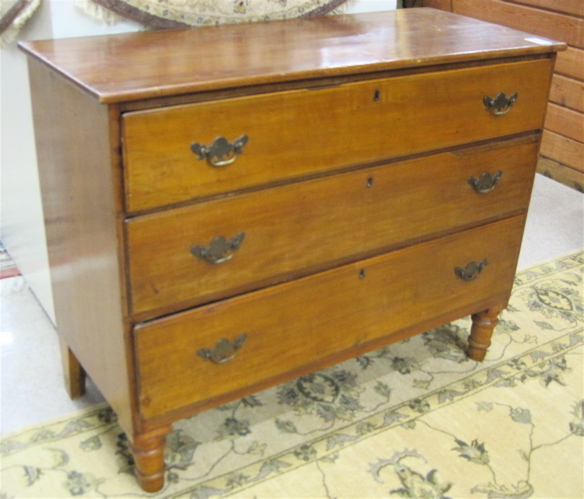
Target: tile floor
[31,380]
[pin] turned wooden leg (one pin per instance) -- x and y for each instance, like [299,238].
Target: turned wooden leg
[483,325]
[74,373]
[148,451]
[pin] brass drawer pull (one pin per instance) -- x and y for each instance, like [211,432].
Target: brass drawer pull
[221,152]
[471,271]
[224,350]
[220,250]
[486,182]
[500,104]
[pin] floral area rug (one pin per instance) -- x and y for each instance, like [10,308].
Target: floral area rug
[414,420]
[13,16]
[172,13]
[182,13]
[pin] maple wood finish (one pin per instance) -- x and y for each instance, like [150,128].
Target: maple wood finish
[341,211]
[365,300]
[375,193]
[73,371]
[162,171]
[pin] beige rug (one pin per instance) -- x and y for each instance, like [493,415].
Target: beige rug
[182,13]
[414,420]
[172,13]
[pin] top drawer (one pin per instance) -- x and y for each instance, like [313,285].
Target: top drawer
[301,132]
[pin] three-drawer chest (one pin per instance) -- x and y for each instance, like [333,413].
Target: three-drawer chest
[231,207]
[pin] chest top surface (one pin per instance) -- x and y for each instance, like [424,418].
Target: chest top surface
[134,66]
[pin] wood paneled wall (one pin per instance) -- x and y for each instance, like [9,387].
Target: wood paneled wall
[562,148]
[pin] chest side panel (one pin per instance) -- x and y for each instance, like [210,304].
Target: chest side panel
[77,142]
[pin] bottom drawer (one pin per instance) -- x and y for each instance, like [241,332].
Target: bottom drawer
[193,356]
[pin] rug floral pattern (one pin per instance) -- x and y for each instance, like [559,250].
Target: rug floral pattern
[416,419]
[182,13]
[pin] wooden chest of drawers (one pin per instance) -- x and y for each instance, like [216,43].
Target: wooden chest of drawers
[231,207]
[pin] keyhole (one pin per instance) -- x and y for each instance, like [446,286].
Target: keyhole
[377,96]
[369,182]
[362,274]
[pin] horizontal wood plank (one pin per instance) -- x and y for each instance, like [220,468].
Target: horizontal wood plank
[561,173]
[563,150]
[438,4]
[565,122]
[562,27]
[571,63]
[574,7]
[567,92]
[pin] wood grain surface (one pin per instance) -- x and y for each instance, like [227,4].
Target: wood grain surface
[298,323]
[303,227]
[562,157]
[151,64]
[290,134]
[77,169]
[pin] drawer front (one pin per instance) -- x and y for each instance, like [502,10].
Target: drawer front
[297,323]
[295,133]
[299,228]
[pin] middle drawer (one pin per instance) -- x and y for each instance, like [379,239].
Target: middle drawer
[196,254]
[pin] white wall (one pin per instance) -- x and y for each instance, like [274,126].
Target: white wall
[22,229]
[21,216]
